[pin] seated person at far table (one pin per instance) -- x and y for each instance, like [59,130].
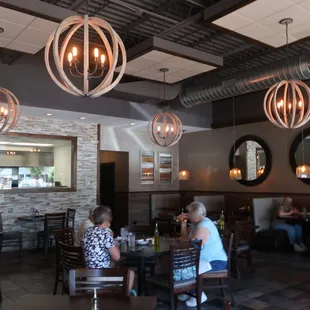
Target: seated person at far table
[99,245]
[89,222]
[294,232]
[212,256]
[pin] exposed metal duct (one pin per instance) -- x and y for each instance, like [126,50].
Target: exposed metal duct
[246,83]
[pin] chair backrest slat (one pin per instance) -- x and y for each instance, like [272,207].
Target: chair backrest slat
[107,281]
[228,245]
[70,217]
[71,256]
[185,255]
[54,221]
[242,231]
[66,236]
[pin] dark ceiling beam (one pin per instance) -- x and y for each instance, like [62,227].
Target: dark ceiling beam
[77,4]
[186,22]
[145,17]
[236,50]
[205,15]
[222,8]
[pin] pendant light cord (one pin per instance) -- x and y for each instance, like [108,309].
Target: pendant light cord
[86,7]
[303,146]
[165,101]
[234,129]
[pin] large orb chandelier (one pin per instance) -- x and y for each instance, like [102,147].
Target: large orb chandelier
[165,128]
[86,69]
[9,111]
[287,103]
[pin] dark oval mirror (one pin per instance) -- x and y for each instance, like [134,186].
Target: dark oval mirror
[252,156]
[300,153]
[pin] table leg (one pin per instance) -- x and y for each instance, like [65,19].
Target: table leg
[141,276]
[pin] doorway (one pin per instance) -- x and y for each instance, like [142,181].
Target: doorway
[107,184]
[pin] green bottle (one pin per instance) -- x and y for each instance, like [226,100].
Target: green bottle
[222,221]
[156,236]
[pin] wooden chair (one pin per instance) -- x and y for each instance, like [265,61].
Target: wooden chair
[71,257]
[242,244]
[52,222]
[70,219]
[107,281]
[12,238]
[66,236]
[221,275]
[182,255]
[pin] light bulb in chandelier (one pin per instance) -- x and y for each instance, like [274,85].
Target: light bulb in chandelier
[83,63]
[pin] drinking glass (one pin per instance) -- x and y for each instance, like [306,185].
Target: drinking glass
[124,234]
[131,240]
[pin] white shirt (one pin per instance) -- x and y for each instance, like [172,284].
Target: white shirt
[84,225]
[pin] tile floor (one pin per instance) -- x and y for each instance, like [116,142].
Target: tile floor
[281,282]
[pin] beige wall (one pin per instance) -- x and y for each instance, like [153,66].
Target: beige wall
[62,164]
[121,168]
[205,154]
[132,141]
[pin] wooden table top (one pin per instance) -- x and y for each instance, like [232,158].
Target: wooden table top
[64,302]
[146,250]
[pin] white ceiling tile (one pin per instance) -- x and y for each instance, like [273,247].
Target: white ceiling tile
[43,25]
[156,67]
[4,42]
[262,8]
[299,15]
[157,55]
[305,4]
[22,47]
[142,63]
[33,37]
[277,40]
[257,31]
[300,31]
[15,16]
[232,21]
[11,30]
[130,70]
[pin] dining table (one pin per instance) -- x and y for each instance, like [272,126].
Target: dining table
[64,302]
[140,253]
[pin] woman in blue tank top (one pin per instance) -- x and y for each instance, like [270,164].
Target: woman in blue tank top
[213,256]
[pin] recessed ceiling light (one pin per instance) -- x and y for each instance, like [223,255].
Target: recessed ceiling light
[132,124]
[49,114]
[82,117]
[1,30]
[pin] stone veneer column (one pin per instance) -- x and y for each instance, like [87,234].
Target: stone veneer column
[251,160]
[20,204]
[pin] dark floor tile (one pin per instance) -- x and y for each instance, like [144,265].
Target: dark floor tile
[255,304]
[275,308]
[287,293]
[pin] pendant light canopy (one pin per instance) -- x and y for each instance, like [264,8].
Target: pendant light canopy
[287,103]
[9,111]
[102,64]
[184,175]
[165,128]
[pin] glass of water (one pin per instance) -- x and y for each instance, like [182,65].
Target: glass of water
[124,234]
[131,240]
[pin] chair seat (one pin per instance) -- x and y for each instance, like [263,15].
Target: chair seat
[162,281]
[12,235]
[242,247]
[215,274]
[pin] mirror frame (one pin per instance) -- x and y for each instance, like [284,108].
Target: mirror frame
[295,144]
[268,155]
